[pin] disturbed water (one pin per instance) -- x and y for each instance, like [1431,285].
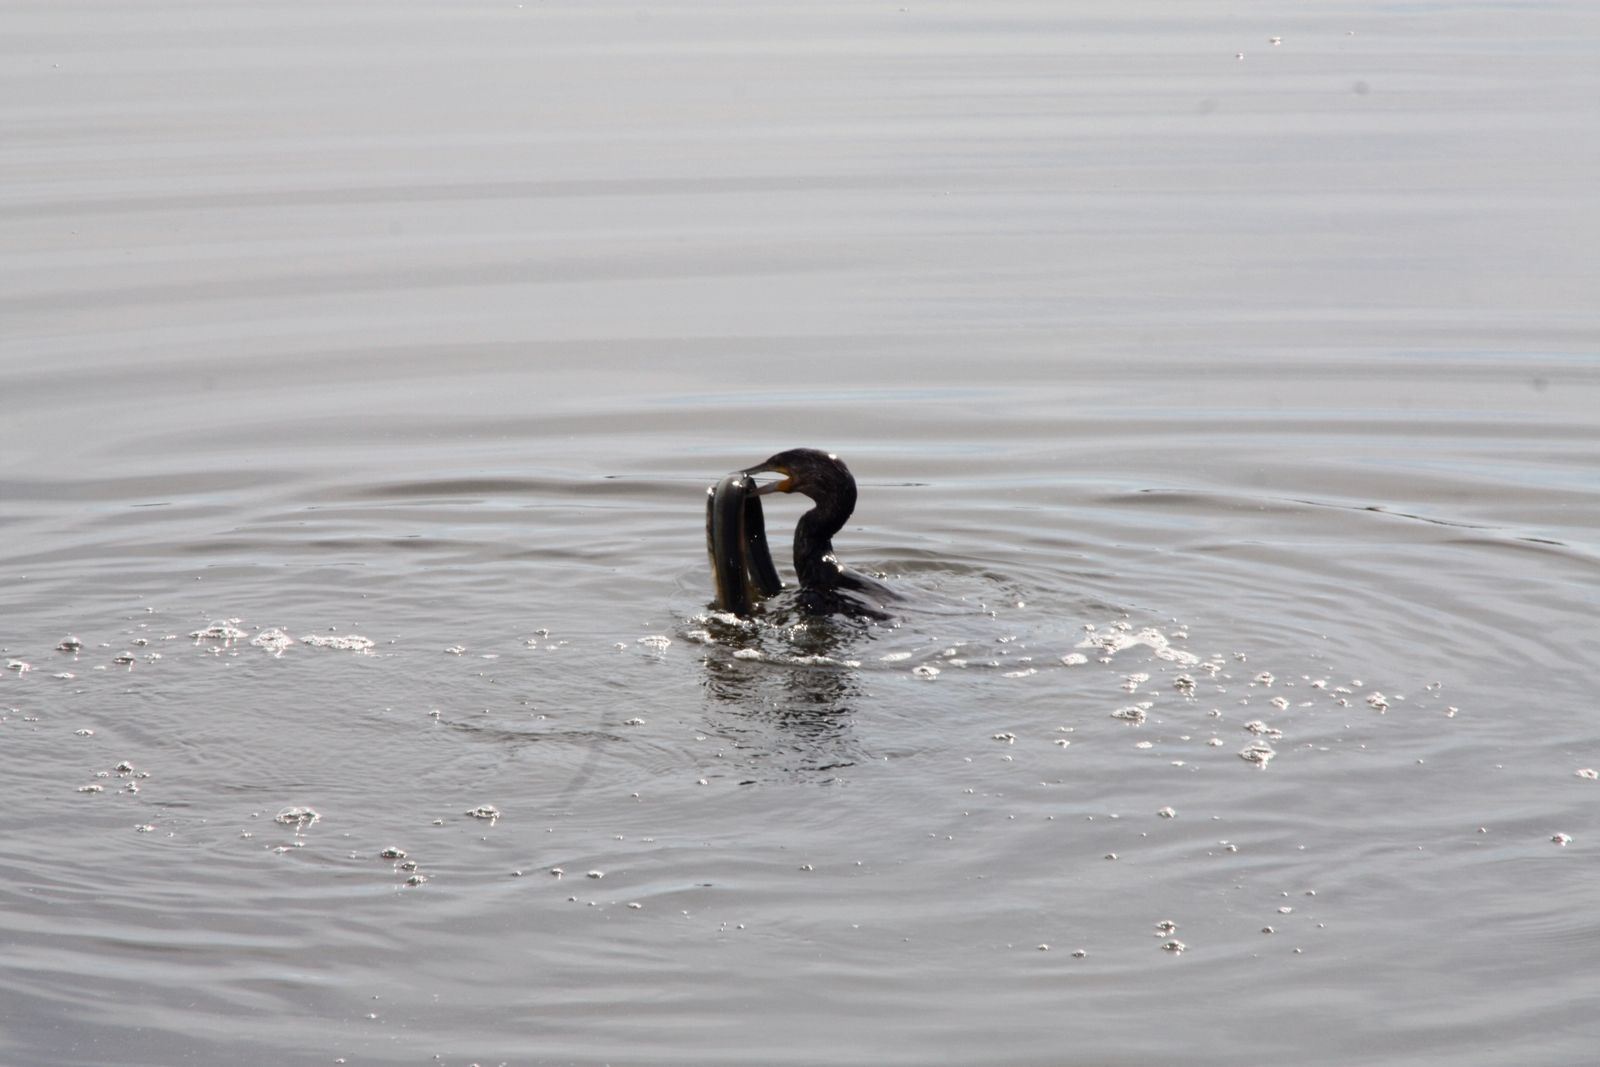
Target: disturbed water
[1228,424]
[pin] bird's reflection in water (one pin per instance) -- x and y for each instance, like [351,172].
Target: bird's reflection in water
[783,691]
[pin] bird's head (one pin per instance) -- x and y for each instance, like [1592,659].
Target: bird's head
[818,475]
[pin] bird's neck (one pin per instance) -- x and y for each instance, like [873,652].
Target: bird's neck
[814,563]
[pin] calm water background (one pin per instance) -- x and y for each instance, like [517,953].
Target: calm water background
[429,322]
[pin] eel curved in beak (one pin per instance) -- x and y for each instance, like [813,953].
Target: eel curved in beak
[736,542]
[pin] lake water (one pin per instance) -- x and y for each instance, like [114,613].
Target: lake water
[1223,383]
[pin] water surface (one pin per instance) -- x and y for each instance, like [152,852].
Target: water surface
[1199,404]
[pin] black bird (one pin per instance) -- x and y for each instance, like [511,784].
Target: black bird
[826,586]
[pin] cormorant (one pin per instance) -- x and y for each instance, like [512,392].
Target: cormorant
[826,586]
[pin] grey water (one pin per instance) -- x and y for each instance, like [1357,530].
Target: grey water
[1223,385]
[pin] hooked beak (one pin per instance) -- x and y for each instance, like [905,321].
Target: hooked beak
[784,485]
